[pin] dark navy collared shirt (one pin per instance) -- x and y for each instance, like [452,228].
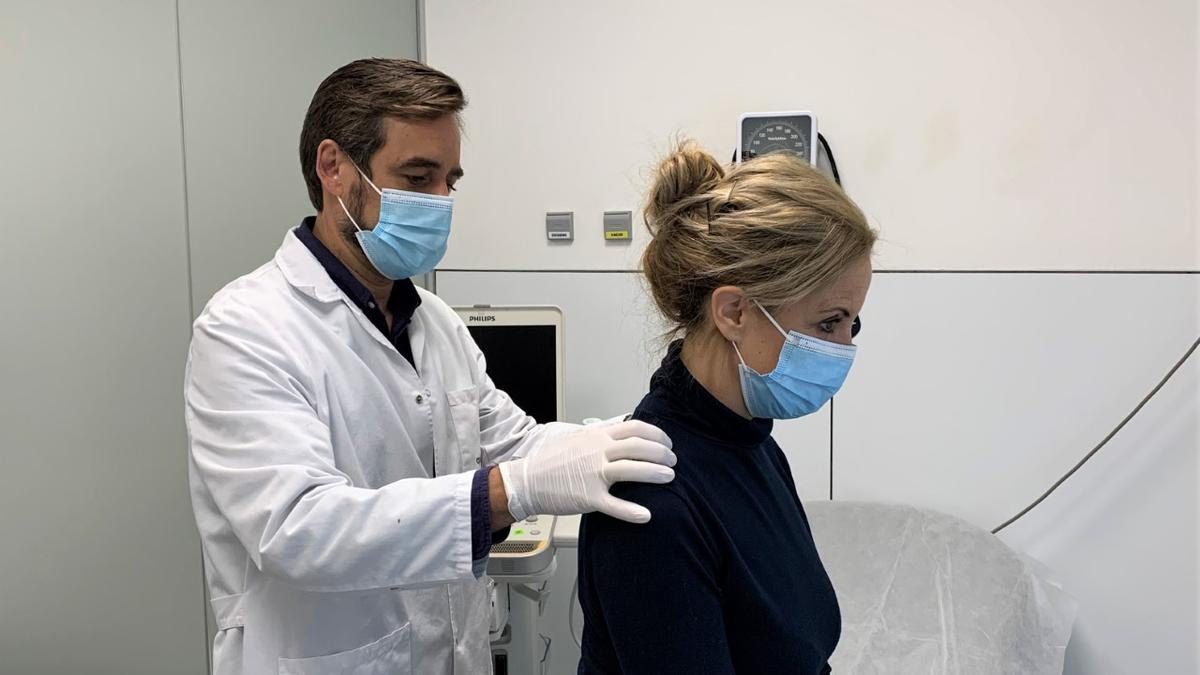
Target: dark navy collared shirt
[402,303]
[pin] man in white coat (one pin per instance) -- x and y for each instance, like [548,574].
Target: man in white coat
[350,458]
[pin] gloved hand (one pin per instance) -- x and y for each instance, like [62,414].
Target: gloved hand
[572,473]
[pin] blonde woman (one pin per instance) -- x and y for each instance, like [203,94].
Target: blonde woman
[762,270]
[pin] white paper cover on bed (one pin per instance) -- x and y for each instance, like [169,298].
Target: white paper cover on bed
[924,592]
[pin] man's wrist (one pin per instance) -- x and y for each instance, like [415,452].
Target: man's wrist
[498,500]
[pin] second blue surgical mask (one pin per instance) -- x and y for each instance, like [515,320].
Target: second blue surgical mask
[809,372]
[410,237]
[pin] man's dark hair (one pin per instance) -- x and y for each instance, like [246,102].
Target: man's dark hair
[350,106]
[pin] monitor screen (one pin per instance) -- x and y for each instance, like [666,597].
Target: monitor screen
[522,362]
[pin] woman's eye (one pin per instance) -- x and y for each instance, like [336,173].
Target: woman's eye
[828,326]
[418,181]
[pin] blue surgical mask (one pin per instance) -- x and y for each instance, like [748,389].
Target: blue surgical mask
[410,238]
[808,374]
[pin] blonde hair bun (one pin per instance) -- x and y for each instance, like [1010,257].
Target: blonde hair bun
[773,226]
[682,182]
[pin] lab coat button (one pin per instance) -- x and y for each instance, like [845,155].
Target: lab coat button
[420,399]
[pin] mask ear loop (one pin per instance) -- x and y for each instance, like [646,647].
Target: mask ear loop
[739,353]
[360,172]
[364,176]
[770,318]
[347,212]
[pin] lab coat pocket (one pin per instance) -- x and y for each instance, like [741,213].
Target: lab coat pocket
[464,413]
[389,655]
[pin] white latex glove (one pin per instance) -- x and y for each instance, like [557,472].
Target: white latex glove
[572,473]
[610,421]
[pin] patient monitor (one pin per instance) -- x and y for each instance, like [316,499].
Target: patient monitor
[524,351]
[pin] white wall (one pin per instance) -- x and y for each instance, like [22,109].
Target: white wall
[1029,136]
[100,560]
[249,71]
[1019,135]
[999,382]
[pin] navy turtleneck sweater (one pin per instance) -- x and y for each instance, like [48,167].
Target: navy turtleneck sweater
[725,577]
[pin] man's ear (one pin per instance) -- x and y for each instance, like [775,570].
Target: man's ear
[331,168]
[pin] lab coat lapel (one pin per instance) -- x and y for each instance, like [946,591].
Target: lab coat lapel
[305,273]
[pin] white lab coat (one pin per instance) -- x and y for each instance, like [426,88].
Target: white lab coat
[331,482]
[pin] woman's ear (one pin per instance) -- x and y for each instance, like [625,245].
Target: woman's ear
[727,305]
